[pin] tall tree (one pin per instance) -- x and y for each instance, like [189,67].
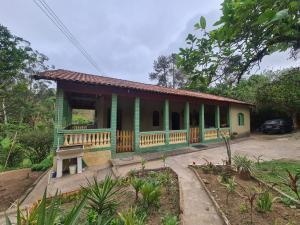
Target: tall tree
[247,31]
[166,73]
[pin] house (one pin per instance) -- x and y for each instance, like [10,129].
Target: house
[132,117]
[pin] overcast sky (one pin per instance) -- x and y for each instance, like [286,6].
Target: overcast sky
[123,36]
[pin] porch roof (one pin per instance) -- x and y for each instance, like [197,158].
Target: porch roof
[66,75]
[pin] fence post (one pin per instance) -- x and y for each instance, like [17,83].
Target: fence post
[166,121]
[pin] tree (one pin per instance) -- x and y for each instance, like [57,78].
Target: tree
[282,93]
[166,72]
[247,31]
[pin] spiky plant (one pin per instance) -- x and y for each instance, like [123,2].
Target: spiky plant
[151,194]
[131,217]
[137,184]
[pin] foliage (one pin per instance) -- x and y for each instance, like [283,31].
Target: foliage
[246,32]
[48,213]
[264,202]
[132,218]
[293,182]
[243,208]
[103,198]
[137,184]
[165,72]
[151,194]
[143,165]
[251,195]
[266,172]
[37,144]
[170,220]
[230,188]
[44,164]
[243,164]
[26,105]
[164,158]
[26,163]
[228,148]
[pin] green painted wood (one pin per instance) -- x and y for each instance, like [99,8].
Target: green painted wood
[187,120]
[177,131]
[152,132]
[166,121]
[163,148]
[136,124]
[202,123]
[113,123]
[58,123]
[217,118]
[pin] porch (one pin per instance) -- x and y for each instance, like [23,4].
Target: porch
[127,124]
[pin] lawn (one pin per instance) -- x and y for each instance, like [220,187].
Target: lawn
[275,172]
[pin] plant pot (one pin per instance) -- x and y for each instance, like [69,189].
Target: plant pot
[72,169]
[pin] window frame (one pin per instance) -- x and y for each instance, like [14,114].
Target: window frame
[241,119]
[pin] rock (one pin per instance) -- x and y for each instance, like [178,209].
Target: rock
[205,181]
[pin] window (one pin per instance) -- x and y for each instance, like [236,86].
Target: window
[155,118]
[241,119]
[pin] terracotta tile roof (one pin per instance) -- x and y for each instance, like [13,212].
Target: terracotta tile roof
[66,75]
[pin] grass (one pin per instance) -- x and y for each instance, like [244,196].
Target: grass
[273,172]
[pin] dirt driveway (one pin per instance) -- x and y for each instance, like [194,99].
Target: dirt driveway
[13,185]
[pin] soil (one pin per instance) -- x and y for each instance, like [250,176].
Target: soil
[13,184]
[169,199]
[280,214]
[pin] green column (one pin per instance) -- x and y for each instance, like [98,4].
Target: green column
[113,123]
[136,125]
[217,118]
[202,122]
[229,118]
[166,120]
[187,120]
[58,125]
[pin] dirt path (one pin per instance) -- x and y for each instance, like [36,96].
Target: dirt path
[13,184]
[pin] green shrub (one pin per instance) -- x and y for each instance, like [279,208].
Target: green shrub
[26,163]
[36,144]
[264,202]
[243,165]
[43,165]
[151,193]
[137,184]
[131,217]
[170,220]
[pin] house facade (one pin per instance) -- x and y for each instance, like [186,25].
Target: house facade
[132,117]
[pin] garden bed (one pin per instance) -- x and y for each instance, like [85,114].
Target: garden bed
[13,184]
[237,209]
[168,203]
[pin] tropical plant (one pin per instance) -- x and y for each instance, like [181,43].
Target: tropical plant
[170,220]
[251,195]
[151,194]
[292,182]
[243,165]
[49,213]
[163,158]
[228,147]
[103,198]
[264,202]
[230,188]
[143,165]
[131,217]
[137,184]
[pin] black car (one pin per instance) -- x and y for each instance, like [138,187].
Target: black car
[277,126]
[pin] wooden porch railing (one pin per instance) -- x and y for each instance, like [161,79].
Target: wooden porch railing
[124,141]
[194,135]
[153,138]
[90,137]
[210,134]
[80,126]
[178,136]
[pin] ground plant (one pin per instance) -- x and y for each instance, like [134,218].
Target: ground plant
[150,194]
[264,201]
[230,187]
[243,165]
[137,184]
[170,220]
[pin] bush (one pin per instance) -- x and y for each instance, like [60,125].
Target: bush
[26,163]
[43,165]
[37,144]
[151,193]
[264,202]
[170,220]
[132,217]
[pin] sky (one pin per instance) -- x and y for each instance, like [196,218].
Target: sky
[124,37]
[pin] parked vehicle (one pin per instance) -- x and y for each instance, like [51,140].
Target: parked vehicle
[277,126]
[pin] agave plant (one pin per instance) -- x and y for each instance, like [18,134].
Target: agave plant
[103,197]
[243,165]
[48,213]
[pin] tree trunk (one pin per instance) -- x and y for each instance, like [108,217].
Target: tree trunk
[4,111]
[295,120]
